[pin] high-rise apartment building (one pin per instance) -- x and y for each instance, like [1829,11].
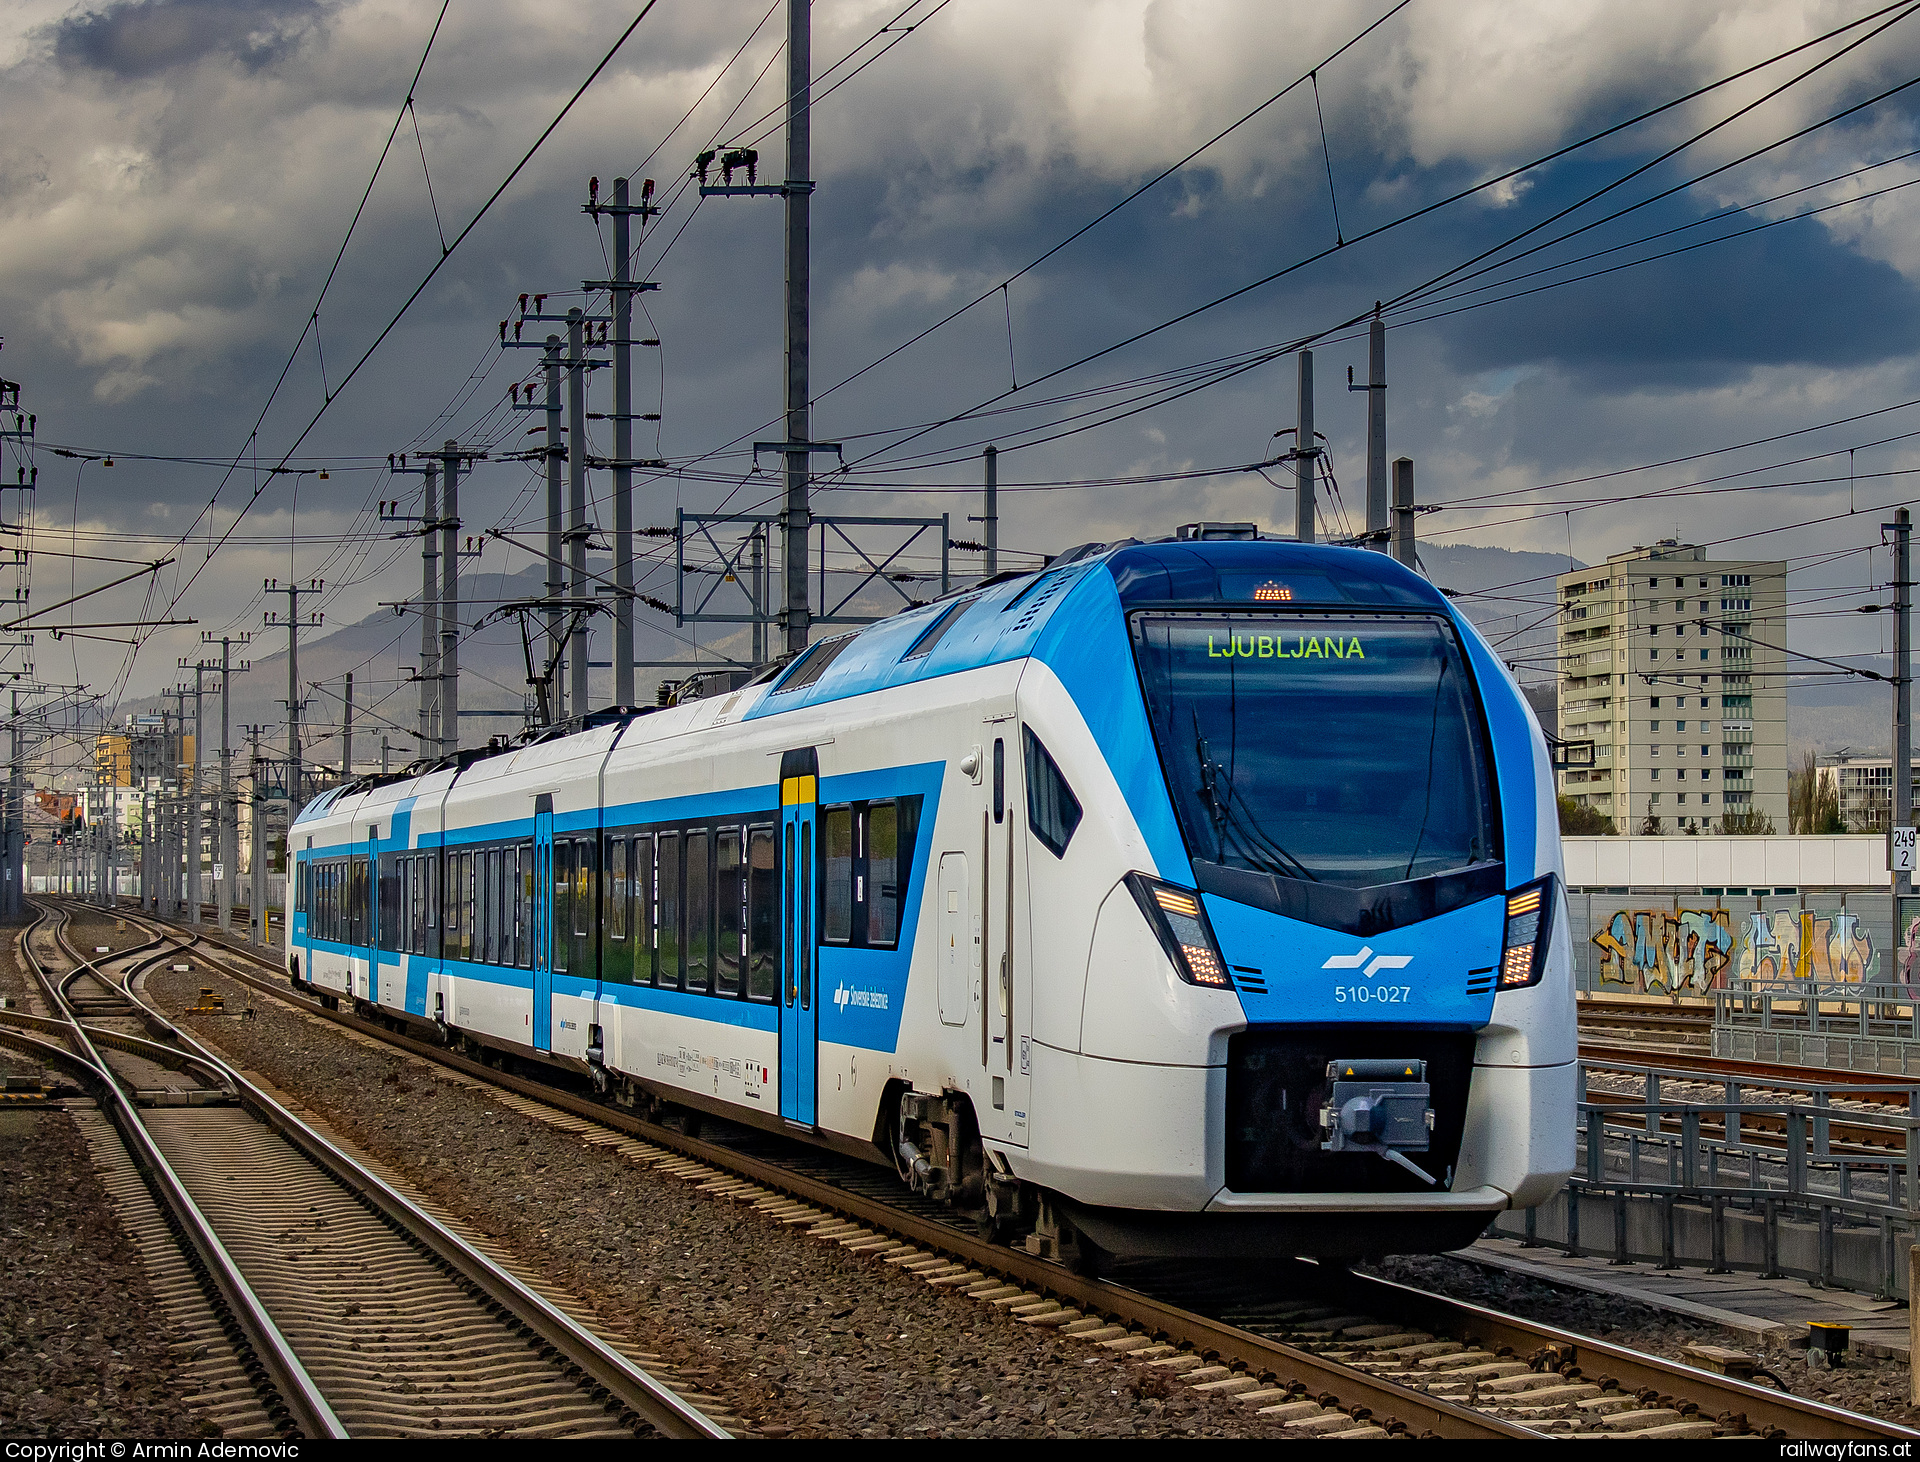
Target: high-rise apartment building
[1674,666]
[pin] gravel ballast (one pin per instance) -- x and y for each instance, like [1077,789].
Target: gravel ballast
[83,1345]
[798,1336]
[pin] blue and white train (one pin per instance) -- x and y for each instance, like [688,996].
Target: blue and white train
[1185,897]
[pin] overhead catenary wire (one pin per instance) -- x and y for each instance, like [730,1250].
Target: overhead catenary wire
[399,314]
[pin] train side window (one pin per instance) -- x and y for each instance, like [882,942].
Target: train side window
[410,940]
[525,897]
[450,909]
[586,904]
[836,874]
[488,931]
[643,911]
[562,904]
[617,895]
[468,888]
[430,896]
[882,873]
[668,874]
[729,898]
[763,916]
[475,942]
[300,894]
[516,905]
[1053,812]
[387,886]
[698,908]
[496,907]
[502,905]
[866,856]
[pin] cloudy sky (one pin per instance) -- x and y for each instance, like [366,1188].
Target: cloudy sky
[177,176]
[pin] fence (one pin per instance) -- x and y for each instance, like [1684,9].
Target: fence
[1740,1185]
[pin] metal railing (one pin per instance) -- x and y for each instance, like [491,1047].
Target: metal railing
[1819,1007]
[1722,1183]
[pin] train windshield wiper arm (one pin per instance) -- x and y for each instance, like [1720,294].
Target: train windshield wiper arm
[1257,846]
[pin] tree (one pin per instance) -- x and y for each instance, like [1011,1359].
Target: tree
[1746,825]
[1813,801]
[1650,826]
[1581,821]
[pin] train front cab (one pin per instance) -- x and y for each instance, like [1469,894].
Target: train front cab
[1359,878]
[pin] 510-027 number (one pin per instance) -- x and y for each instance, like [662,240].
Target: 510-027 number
[1372,994]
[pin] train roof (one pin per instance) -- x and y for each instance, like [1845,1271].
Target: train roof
[1004,618]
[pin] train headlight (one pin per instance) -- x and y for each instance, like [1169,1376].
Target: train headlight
[1178,918]
[1529,930]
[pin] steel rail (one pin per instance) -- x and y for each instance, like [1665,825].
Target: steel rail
[627,1383]
[158,1052]
[306,1407]
[1799,1416]
[1768,1409]
[1671,1063]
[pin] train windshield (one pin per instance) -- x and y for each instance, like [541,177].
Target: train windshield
[1345,750]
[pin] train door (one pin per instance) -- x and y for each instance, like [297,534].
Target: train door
[799,1012]
[543,931]
[1004,1066]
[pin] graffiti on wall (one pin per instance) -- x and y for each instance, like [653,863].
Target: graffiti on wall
[1690,951]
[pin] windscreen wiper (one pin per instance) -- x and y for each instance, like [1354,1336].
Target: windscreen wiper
[1258,843]
[1279,861]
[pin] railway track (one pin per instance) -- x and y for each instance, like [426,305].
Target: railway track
[1854,1122]
[346,1309]
[1656,1025]
[1329,1351]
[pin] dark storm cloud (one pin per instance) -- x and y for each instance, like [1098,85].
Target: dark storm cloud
[164,239]
[1793,296]
[137,39]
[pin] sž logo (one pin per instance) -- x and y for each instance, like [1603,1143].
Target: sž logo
[840,995]
[1367,962]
